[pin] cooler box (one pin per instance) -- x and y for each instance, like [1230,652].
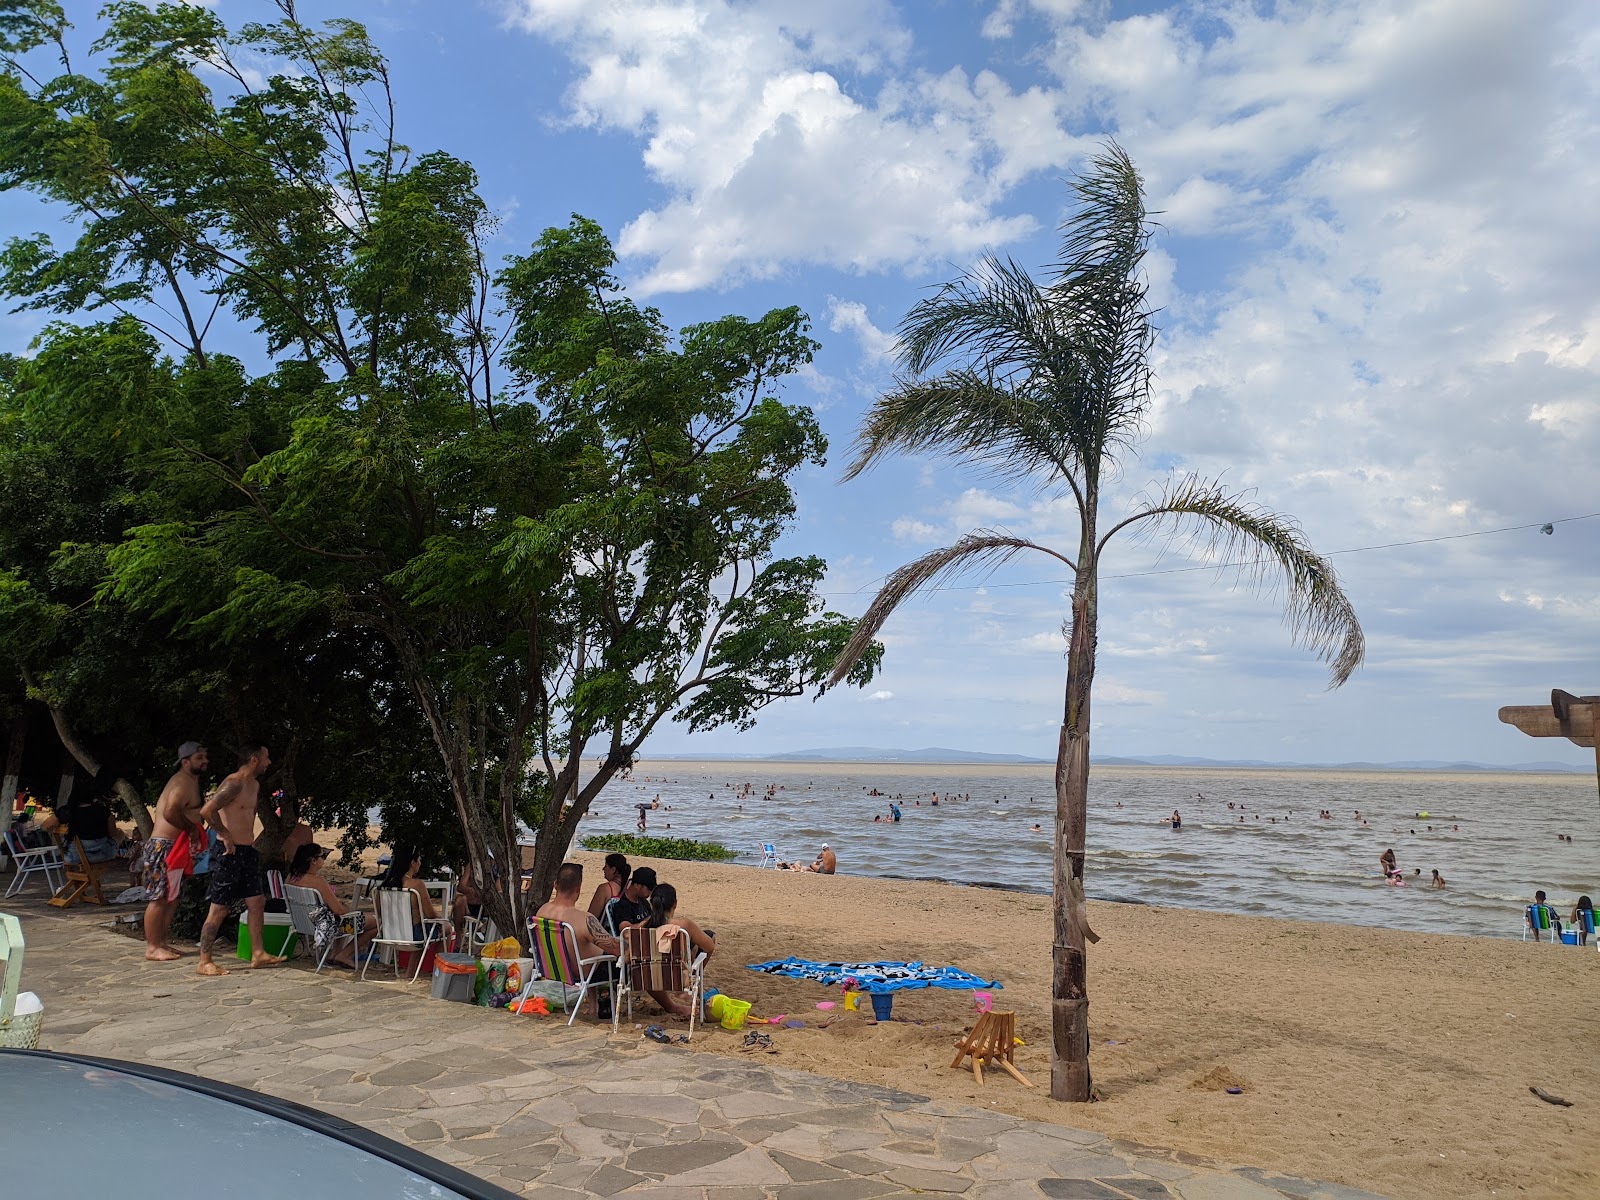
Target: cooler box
[1569,937]
[277,932]
[454,977]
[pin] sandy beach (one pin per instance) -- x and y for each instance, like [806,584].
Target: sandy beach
[1396,1062]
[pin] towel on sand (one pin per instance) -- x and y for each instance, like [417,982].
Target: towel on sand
[875,977]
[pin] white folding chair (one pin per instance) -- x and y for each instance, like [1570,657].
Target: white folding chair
[769,855]
[555,954]
[303,904]
[399,915]
[647,968]
[34,860]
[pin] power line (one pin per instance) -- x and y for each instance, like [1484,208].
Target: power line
[1449,537]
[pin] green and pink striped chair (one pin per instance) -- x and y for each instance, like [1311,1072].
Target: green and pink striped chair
[555,954]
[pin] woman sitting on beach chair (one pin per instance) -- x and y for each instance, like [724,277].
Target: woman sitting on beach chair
[663,924]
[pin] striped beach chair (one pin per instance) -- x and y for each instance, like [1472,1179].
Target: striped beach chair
[555,954]
[647,968]
[1541,918]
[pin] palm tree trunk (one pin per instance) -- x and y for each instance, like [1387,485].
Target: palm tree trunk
[1069,987]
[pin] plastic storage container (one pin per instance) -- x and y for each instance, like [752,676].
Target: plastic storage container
[883,1005]
[455,976]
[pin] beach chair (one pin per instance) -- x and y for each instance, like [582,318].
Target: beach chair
[1541,918]
[399,915]
[555,954]
[769,855]
[82,875]
[1584,925]
[303,904]
[646,967]
[33,860]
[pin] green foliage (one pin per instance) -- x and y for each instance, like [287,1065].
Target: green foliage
[640,846]
[500,518]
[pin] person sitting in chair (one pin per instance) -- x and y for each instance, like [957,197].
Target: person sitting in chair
[664,916]
[405,872]
[633,906]
[333,916]
[593,938]
[91,823]
[1532,915]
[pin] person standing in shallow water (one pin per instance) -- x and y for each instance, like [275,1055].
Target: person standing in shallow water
[231,811]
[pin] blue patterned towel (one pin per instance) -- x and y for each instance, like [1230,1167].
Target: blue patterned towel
[878,977]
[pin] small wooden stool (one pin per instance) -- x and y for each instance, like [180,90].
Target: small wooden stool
[993,1038]
[81,876]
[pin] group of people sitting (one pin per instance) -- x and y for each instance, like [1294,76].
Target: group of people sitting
[625,898]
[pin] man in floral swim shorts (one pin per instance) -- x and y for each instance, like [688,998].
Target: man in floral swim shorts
[167,851]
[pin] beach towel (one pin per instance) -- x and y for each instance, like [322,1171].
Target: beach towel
[876,977]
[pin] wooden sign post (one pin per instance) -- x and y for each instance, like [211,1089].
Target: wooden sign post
[1576,718]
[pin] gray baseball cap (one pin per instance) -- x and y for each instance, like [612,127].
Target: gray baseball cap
[189,750]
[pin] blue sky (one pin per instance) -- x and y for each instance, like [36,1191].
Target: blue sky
[1376,273]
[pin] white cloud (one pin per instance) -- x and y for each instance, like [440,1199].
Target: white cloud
[879,697]
[780,137]
[850,316]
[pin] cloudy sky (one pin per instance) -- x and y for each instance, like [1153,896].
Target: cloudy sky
[1376,271]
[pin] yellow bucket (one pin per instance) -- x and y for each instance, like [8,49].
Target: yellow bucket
[730,1013]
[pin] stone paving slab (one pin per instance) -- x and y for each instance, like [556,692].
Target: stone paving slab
[541,1108]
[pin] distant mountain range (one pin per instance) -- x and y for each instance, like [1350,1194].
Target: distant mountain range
[944,755]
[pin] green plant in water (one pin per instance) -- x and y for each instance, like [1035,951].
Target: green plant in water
[660,847]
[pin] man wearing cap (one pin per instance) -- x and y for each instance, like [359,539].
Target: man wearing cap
[169,850]
[633,906]
[237,875]
[826,863]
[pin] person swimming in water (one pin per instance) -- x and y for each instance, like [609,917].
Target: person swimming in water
[1438,879]
[1390,865]
[1177,821]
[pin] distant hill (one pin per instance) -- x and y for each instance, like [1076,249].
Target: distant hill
[943,754]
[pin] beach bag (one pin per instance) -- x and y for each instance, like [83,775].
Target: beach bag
[507,947]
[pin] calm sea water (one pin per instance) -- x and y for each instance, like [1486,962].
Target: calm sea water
[1492,837]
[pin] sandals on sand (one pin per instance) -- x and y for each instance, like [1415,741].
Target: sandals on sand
[657,1034]
[758,1041]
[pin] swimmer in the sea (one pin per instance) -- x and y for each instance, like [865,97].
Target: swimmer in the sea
[1438,879]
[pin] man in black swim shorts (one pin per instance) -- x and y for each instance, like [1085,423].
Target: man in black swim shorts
[236,876]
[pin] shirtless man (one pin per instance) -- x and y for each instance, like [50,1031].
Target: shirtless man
[231,811]
[168,853]
[565,906]
[827,862]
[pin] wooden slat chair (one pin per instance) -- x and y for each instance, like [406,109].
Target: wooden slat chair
[555,954]
[647,968]
[81,877]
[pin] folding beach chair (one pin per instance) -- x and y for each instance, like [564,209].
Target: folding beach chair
[399,915]
[646,967]
[303,904]
[1584,926]
[555,954]
[17,1031]
[33,860]
[769,855]
[1541,918]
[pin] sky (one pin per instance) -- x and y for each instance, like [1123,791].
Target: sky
[1374,265]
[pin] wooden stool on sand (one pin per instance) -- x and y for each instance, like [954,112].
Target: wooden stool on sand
[81,876]
[993,1038]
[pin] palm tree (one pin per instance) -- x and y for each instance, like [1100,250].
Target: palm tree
[1048,383]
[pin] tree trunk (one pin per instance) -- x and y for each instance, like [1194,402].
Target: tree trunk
[1069,986]
[126,792]
[13,775]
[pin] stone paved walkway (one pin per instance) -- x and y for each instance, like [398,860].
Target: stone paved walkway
[557,1112]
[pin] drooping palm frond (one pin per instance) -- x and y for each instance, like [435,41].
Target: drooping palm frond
[983,549]
[962,413]
[995,406]
[1265,549]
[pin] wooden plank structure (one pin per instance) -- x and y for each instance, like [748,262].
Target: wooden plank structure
[993,1040]
[1576,718]
[81,876]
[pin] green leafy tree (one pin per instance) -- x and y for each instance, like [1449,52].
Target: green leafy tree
[558,519]
[1047,382]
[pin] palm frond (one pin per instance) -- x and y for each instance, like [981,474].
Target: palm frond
[983,549]
[966,415]
[1099,292]
[1266,550]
